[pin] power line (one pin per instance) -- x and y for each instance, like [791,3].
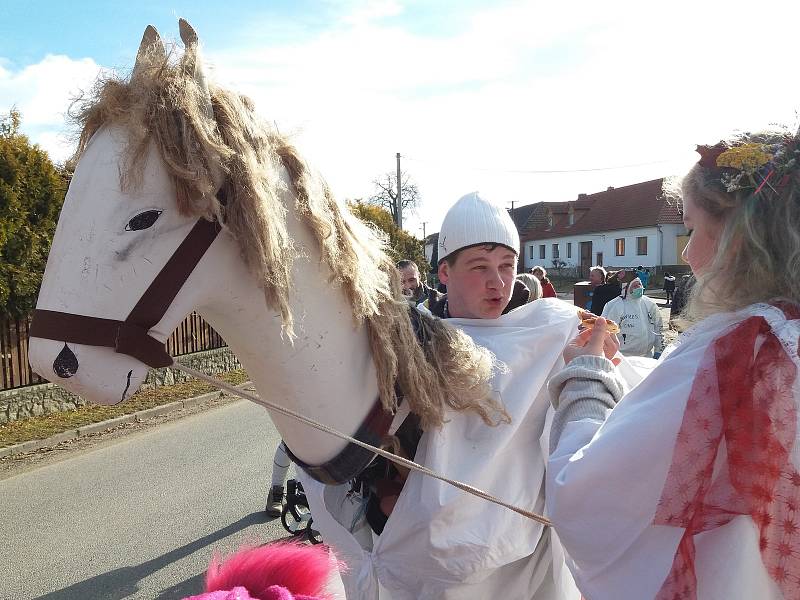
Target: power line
[535,171]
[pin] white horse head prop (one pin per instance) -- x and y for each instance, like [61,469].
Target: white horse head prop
[182,199]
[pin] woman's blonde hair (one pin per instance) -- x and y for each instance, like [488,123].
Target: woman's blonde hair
[533,284]
[758,253]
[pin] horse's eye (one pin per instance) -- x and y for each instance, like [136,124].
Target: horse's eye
[143,220]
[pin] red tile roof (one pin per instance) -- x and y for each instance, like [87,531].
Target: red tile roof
[629,207]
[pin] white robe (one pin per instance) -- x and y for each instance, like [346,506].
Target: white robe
[442,543]
[606,482]
[640,325]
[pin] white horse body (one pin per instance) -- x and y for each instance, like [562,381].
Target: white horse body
[98,268]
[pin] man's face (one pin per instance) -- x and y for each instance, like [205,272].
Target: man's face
[480,283]
[409,277]
[595,278]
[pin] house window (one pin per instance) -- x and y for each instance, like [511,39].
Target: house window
[530,251]
[569,249]
[599,259]
[541,251]
[555,250]
[619,246]
[641,246]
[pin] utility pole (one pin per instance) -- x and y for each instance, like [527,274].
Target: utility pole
[428,265]
[398,202]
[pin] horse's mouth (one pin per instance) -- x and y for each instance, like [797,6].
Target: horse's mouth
[127,386]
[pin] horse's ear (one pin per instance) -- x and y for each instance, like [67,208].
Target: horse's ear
[151,50]
[192,62]
[188,34]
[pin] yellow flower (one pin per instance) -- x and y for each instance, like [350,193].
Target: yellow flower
[747,157]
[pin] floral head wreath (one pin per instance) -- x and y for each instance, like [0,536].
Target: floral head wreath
[754,165]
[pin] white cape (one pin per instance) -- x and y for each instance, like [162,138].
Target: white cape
[441,542]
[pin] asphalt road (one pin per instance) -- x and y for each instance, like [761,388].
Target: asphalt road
[141,516]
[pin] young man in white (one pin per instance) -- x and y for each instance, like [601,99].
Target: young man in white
[438,542]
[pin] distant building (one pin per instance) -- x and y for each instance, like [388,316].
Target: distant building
[620,227]
[432,250]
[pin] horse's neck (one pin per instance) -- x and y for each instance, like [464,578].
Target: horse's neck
[328,373]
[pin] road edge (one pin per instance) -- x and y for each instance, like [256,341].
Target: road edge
[138,416]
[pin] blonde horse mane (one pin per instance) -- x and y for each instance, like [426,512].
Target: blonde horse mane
[209,137]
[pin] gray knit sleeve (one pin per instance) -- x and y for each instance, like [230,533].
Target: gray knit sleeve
[586,389]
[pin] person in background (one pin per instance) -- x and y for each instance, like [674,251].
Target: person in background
[548,291]
[413,287]
[280,469]
[623,276]
[597,277]
[605,293]
[643,275]
[682,290]
[533,284]
[641,327]
[669,287]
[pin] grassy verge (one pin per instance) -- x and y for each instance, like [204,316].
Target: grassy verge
[37,428]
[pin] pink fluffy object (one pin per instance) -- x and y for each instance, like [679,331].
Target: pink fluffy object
[282,571]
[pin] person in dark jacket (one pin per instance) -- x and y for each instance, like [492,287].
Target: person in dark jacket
[669,286]
[682,290]
[413,287]
[603,294]
[597,277]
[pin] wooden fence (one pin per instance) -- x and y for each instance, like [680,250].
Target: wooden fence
[192,335]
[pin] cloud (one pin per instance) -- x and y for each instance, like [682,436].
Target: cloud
[42,92]
[481,92]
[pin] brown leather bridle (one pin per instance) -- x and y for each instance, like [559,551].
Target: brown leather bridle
[132,336]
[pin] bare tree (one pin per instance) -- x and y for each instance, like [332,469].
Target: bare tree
[385,194]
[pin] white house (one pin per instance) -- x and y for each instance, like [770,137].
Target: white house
[620,227]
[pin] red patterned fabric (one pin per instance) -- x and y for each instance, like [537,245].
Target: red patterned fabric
[741,404]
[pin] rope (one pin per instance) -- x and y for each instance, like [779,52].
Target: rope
[408,464]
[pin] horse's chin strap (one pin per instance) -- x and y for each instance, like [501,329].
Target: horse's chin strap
[132,336]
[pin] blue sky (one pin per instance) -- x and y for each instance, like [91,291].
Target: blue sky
[473,94]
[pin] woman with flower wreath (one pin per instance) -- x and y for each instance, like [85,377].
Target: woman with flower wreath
[690,487]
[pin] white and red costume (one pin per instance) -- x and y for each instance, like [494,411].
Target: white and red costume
[690,488]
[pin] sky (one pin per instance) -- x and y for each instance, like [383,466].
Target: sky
[475,95]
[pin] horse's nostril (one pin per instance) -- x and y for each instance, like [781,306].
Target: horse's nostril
[66,363]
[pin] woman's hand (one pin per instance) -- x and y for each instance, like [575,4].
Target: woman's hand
[594,342]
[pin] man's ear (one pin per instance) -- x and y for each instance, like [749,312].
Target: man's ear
[444,272]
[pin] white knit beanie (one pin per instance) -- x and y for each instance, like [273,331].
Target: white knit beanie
[472,221]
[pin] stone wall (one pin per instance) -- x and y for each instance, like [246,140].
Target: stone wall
[21,403]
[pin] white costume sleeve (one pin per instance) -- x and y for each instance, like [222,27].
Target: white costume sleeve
[611,487]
